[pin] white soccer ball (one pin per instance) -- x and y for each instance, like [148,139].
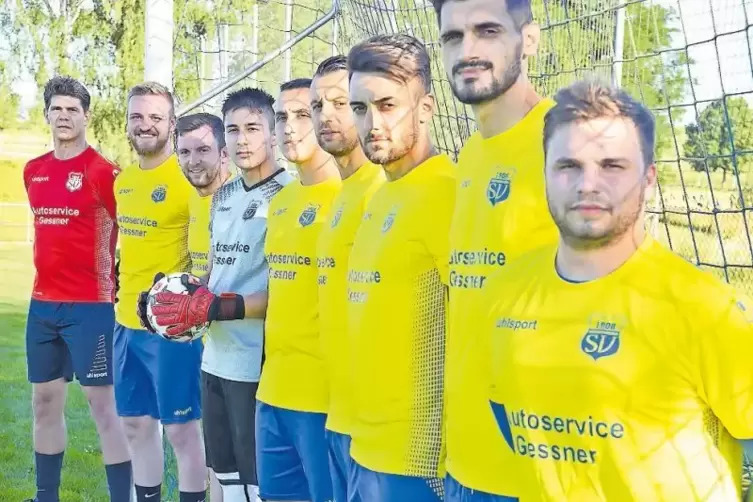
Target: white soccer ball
[172,284]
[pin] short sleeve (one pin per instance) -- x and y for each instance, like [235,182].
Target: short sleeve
[726,364]
[440,208]
[103,174]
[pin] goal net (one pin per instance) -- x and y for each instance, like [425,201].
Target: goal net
[688,60]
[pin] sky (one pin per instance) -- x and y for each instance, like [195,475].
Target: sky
[722,64]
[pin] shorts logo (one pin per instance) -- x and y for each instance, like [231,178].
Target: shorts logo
[308,216]
[75,181]
[159,194]
[251,209]
[498,189]
[389,220]
[603,340]
[336,217]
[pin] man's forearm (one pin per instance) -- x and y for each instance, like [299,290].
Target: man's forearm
[256,305]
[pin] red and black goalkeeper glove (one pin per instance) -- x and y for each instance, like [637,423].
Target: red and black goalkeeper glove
[142,302]
[182,312]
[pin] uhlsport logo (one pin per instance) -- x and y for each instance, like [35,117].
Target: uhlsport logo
[498,189]
[251,209]
[602,340]
[308,215]
[75,181]
[336,218]
[159,194]
[389,220]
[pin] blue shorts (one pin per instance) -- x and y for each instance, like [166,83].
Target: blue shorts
[339,463]
[156,377]
[67,338]
[455,492]
[291,455]
[366,485]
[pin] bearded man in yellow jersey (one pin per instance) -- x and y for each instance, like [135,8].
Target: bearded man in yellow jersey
[292,399]
[397,279]
[619,370]
[500,214]
[203,157]
[337,135]
[155,380]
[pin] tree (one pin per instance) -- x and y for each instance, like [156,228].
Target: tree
[10,100]
[724,127]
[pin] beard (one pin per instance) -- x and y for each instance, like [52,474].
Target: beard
[470,95]
[159,145]
[340,148]
[584,236]
[392,153]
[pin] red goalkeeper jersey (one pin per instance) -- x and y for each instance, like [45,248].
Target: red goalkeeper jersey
[74,227]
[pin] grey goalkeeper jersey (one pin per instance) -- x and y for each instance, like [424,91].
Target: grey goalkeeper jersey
[238,227]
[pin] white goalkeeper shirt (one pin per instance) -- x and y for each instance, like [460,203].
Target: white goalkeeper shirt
[238,227]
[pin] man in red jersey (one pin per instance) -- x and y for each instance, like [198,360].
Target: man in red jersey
[71,315]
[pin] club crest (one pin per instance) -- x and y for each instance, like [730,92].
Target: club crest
[308,216]
[389,221]
[336,218]
[75,181]
[251,209]
[602,340]
[159,194]
[498,189]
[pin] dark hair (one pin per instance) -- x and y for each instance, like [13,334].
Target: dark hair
[255,100]
[331,65]
[591,99]
[296,83]
[400,57]
[520,10]
[153,89]
[66,86]
[192,122]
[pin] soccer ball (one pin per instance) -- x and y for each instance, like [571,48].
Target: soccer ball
[172,284]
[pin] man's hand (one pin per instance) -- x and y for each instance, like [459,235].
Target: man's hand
[141,305]
[179,313]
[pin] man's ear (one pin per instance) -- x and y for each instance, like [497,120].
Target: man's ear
[530,38]
[426,106]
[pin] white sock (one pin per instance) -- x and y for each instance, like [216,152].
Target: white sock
[237,493]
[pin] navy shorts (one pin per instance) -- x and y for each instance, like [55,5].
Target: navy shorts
[455,492]
[291,455]
[64,339]
[366,485]
[339,463]
[156,377]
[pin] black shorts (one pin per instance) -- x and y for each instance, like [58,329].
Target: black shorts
[229,422]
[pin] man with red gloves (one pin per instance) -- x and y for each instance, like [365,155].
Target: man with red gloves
[231,363]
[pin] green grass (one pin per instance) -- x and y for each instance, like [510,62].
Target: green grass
[83,473]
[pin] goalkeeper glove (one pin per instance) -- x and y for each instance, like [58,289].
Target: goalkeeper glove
[141,305]
[182,312]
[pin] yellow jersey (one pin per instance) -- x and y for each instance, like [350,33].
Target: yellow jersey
[293,376]
[199,208]
[500,213]
[333,250]
[153,215]
[397,301]
[199,211]
[629,387]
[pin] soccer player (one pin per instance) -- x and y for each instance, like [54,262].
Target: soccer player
[71,313]
[156,381]
[619,370]
[200,145]
[397,278]
[236,295]
[500,213]
[292,400]
[337,135]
